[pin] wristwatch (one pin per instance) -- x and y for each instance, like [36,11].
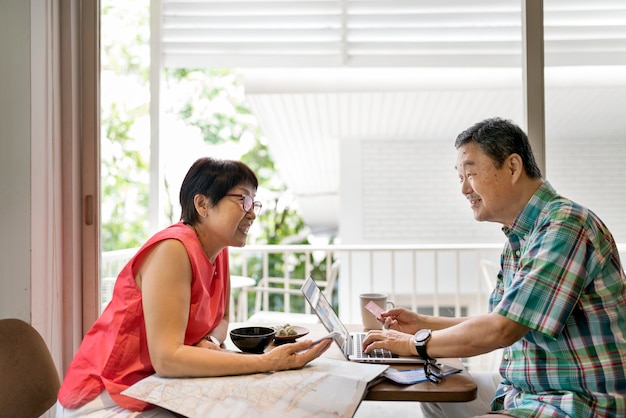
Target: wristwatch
[420,339]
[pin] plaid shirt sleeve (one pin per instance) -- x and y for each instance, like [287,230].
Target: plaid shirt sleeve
[562,278]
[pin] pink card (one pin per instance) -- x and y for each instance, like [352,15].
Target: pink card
[374,309]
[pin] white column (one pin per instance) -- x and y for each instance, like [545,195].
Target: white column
[533,73]
[156,192]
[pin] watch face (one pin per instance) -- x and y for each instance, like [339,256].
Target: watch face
[422,335]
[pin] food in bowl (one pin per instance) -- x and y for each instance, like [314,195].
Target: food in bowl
[285,330]
[252,339]
[287,333]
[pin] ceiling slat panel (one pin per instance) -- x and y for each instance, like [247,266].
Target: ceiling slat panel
[383,33]
[249,22]
[248,8]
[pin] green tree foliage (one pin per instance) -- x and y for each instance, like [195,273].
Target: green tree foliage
[213,101]
[220,111]
[209,100]
[124,121]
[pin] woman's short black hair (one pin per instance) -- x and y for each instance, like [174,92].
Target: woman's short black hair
[499,138]
[212,178]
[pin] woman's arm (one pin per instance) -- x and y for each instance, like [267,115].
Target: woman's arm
[165,282]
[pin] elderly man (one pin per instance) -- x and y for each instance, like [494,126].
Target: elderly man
[559,306]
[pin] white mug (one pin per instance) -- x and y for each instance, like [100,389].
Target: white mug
[380,299]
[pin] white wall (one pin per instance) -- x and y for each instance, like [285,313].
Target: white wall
[15,159]
[591,171]
[405,192]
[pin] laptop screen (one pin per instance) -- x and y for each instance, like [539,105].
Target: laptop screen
[324,310]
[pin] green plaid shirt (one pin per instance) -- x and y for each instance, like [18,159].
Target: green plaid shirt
[562,277]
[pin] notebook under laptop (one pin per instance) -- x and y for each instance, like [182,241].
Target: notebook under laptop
[349,343]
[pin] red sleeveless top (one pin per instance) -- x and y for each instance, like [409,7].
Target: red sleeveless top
[114,353]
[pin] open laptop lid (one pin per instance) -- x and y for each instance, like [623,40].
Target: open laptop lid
[324,311]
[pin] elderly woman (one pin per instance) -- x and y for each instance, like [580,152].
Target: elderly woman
[169,312]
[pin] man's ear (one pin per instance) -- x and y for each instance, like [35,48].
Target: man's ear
[515,166]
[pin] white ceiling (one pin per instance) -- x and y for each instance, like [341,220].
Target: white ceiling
[306,113]
[317,72]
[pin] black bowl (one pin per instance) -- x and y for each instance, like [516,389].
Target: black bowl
[252,339]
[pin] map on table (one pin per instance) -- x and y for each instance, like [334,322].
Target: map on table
[324,388]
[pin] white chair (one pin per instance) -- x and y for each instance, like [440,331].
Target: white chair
[490,361]
[239,285]
[490,271]
[262,314]
[106,291]
[280,318]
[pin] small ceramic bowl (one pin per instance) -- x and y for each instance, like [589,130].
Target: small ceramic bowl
[252,339]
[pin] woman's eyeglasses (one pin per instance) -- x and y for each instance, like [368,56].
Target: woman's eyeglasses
[247,204]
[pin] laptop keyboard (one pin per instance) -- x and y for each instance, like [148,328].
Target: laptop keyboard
[379,353]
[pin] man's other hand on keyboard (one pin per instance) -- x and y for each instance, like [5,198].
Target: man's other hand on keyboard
[395,341]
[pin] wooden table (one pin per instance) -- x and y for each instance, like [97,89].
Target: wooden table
[454,388]
[458,387]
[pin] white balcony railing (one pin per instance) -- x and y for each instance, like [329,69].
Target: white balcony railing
[442,279]
[446,279]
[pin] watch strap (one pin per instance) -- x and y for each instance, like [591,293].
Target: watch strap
[421,351]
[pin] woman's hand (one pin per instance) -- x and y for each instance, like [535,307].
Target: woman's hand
[401,319]
[295,355]
[397,342]
[208,342]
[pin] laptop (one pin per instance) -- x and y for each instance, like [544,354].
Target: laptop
[349,343]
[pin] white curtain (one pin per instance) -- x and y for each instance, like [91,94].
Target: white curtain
[64,247]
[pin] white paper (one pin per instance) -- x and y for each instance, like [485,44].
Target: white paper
[324,388]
